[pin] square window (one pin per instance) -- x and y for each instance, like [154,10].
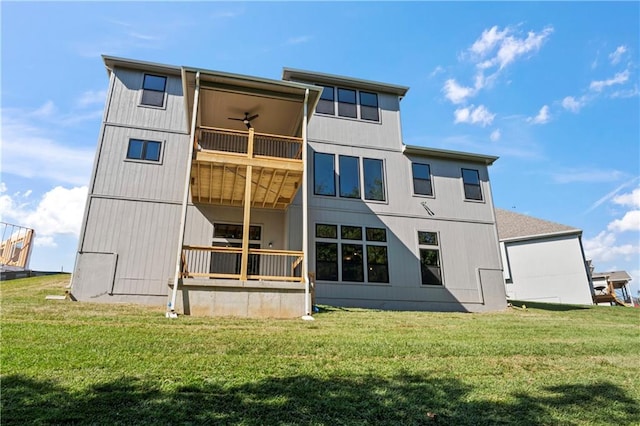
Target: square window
[377,234]
[369,106]
[428,238]
[471,182]
[421,179]
[144,150]
[327,261]
[347,103]
[373,180]
[153,88]
[324,181]
[349,177]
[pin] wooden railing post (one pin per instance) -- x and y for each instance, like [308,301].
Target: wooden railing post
[247,211]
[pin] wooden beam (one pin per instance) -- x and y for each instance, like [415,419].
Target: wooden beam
[242,160]
[255,190]
[269,185]
[199,179]
[284,179]
[246,223]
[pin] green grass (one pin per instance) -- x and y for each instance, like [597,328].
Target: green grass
[80,363]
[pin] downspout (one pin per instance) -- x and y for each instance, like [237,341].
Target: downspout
[171,313]
[305,220]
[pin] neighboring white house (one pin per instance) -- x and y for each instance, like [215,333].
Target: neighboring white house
[543,261]
[237,195]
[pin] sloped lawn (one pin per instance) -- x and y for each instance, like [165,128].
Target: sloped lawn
[80,363]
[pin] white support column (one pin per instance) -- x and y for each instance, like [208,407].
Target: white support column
[171,312]
[305,219]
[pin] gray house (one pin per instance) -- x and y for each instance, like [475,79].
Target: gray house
[543,261]
[223,194]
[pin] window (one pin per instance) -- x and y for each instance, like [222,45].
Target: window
[324,182]
[421,179]
[354,255]
[230,235]
[144,150]
[373,179]
[347,103]
[326,104]
[235,232]
[153,88]
[349,177]
[369,106]
[471,181]
[430,268]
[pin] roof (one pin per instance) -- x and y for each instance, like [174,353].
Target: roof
[445,153]
[613,275]
[516,226]
[320,78]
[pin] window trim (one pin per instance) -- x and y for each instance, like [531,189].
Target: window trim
[364,243]
[479,185]
[413,180]
[358,104]
[434,247]
[333,171]
[143,152]
[164,92]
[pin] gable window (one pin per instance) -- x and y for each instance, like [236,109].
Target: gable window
[326,104]
[354,255]
[373,179]
[430,268]
[421,179]
[144,150]
[349,177]
[471,181]
[347,103]
[153,88]
[369,106]
[324,181]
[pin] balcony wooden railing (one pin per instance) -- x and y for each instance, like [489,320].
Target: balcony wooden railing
[226,140]
[225,262]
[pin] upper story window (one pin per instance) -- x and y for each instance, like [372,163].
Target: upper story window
[349,177]
[153,88]
[471,182]
[421,179]
[373,179]
[351,174]
[350,103]
[326,103]
[144,150]
[369,106]
[324,181]
[347,106]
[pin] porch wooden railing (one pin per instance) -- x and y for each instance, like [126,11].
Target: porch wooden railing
[225,262]
[218,139]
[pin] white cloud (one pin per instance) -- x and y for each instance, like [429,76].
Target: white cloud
[58,212]
[572,104]
[437,70]
[612,194]
[298,40]
[456,93]
[603,248]
[586,175]
[626,93]
[91,97]
[619,78]
[495,135]
[29,152]
[631,199]
[488,40]
[542,117]
[616,55]
[629,222]
[479,115]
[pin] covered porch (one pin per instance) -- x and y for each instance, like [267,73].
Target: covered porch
[247,166]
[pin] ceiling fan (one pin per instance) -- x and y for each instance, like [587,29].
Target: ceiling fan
[246,119]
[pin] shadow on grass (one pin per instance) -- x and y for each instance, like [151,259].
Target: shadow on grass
[406,400]
[548,306]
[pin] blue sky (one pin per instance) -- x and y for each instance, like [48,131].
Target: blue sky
[551,88]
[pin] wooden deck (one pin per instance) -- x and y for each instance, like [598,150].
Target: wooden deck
[223,158]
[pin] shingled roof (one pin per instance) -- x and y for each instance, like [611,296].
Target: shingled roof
[513,225]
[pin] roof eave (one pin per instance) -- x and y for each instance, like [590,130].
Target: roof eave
[452,155]
[569,232]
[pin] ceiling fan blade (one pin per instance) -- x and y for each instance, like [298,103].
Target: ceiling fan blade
[235,119]
[248,124]
[253,117]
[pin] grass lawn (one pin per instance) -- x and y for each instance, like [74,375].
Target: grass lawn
[80,363]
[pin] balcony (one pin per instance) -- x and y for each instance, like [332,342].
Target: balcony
[224,158]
